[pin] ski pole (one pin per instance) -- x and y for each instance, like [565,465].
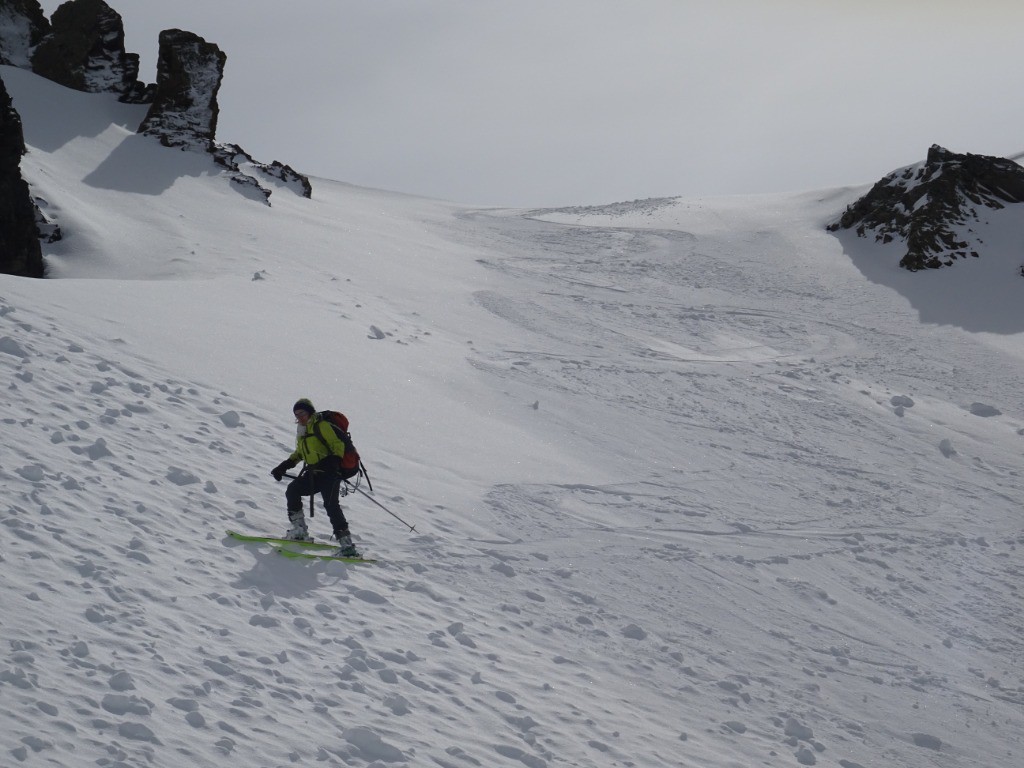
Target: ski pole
[312,489]
[412,528]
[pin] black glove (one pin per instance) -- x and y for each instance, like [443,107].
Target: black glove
[280,469]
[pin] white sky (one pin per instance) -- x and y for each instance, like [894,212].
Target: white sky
[555,102]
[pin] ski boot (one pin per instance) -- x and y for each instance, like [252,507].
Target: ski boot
[298,531]
[345,546]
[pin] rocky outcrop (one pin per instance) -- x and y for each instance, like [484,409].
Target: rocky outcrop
[20,253]
[189,71]
[85,51]
[184,114]
[82,47]
[22,27]
[931,205]
[247,170]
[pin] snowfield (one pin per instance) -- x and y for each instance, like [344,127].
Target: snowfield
[695,482]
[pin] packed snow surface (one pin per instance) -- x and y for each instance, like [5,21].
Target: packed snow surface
[694,482]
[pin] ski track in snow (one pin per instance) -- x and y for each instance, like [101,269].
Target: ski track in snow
[802,545]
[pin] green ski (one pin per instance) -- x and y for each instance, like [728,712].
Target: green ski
[279,541]
[313,556]
[283,546]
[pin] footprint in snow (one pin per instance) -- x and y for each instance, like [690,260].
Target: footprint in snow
[185,705]
[231,419]
[31,742]
[927,741]
[180,476]
[137,732]
[984,410]
[121,681]
[372,747]
[634,632]
[190,707]
[32,472]
[397,704]
[504,568]
[9,346]
[369,596]
[97,450]
[120,704]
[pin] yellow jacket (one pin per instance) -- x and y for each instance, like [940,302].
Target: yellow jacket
[319,441]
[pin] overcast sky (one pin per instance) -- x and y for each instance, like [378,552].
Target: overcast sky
[560,102]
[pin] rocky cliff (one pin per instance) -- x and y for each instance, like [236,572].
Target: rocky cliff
[22,27]
[20,252]
[189,71]
[185,111]
[931,206]
[85,50]
[82,47]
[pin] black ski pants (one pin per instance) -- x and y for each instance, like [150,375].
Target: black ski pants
[328,485]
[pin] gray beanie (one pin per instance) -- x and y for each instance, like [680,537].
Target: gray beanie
[305,404]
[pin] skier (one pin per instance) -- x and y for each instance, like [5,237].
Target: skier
[320,448]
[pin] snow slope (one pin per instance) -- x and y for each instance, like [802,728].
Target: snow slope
[695,483]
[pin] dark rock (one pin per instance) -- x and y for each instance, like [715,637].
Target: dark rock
[23,25]
[20,252]
[924,205]
[184,114]
[189,71]
[236,159]
[85,51]
[289,176]
[48,231]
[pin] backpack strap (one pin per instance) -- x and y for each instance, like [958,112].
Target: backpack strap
[319,429]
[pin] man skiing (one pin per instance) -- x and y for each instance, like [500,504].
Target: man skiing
[320,448]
